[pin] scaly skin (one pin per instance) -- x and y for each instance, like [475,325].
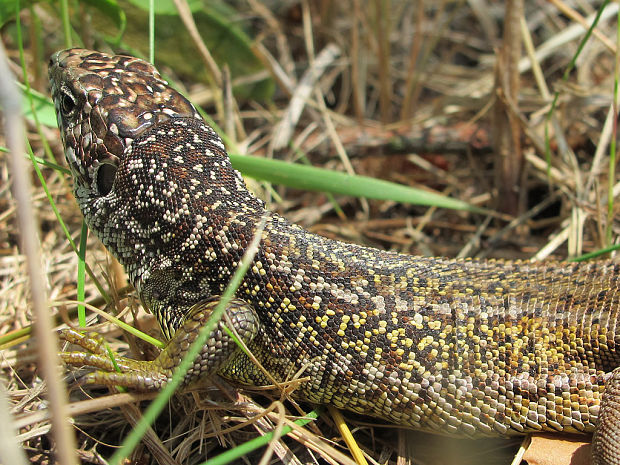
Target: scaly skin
[461,347]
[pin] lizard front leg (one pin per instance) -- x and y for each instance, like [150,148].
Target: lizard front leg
[153,375]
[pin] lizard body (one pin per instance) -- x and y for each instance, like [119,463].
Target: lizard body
[461,347]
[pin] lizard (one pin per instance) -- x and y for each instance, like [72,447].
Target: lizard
[464,347]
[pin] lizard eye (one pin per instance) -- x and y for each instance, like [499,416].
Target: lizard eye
[105,178]
[67,103]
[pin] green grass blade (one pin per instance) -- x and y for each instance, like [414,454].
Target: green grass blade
[81,275]
[595,254]
[36,110]
[612,148]
[318,179]
[244,449]
[565,77]
[66,23]
[151,413]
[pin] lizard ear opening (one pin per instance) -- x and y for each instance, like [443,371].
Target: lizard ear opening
[105,178]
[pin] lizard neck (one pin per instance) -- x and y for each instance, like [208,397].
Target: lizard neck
[176,202]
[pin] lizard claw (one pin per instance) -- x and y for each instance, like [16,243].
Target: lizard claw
[111,370]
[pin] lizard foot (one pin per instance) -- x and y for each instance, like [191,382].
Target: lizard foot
[153,375]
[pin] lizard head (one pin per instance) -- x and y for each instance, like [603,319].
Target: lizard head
[151,178]
[103,102]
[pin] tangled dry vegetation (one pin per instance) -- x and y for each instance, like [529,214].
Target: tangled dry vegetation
[452,97]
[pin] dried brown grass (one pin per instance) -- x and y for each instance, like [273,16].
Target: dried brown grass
[407,97]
